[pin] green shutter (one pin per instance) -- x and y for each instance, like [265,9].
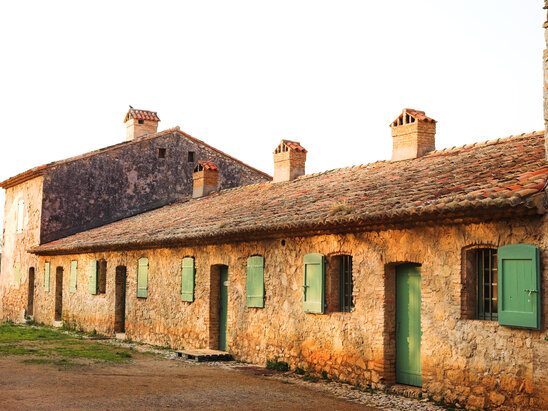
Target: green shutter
[255,281]
[142,277]
[17,275]
[313,283]
[46,276]
[519,286]
[187,279]
[73,275]
[93,268]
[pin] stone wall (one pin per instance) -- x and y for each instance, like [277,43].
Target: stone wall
[128,180]
[475,362]
[13,302]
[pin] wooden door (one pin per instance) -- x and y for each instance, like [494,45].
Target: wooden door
[408,325]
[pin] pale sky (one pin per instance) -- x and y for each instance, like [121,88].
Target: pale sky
[241,75]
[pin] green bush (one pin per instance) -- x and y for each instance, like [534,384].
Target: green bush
[277,365]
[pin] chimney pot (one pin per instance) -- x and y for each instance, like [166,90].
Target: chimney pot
[413,135]
[289,161]
[206,179]
[140,123]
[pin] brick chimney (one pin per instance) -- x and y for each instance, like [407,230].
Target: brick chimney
[413,135]
[140,122]
[206,179]
[289,159]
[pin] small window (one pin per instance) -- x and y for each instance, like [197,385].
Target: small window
[102,277]
[141,121]
[487,286]
[161,153]
[338,285]
[20,215]
[191,156]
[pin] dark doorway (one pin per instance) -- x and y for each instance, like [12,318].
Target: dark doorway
[59,294]
[223,307]
[218,307]
[120,300]
[30,297]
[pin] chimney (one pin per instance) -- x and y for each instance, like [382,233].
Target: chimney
[289,159]
[206,178]
[140,123]
[413,135]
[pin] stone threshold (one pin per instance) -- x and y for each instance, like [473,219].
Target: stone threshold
[203,355]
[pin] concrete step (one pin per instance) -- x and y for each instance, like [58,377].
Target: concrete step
[58,324]
[202,355]
[120,336]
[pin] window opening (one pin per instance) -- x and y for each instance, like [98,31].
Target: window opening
[161,153]
[487,286]
[191,156]
[346,285]
[141,121]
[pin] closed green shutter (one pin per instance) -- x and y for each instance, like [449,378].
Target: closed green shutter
[46,276]
[313,283]
[519,286]
[17,275]
[187,279]
[255,281]
[142,277]
[73,275]
[93,268]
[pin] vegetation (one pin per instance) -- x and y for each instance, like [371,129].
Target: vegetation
[277,365]
[47,345]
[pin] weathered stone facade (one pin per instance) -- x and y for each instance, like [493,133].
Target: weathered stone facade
[14,301]
[128,180]
[476,362]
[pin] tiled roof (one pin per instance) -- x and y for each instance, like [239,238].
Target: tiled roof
[417,114]
[289,145]
[141,115]
[40,170]
[205,165]
[482,181]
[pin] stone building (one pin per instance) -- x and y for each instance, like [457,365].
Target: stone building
[423,271]
[427,270]
[149,170]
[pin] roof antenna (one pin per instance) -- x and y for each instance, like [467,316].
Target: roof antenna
[130,106]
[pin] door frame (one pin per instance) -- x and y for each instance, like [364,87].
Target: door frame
[58,307]
[120,293]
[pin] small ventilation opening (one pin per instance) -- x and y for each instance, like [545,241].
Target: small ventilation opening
[141,121]
[161,153]
[191,156]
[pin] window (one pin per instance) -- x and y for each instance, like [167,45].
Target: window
[338,284]
[17,275]
[73,276]
[102,277]
[313,283]
[46,276]
[187,279]
[191,156]
[346,284]
[142,278]
[487,286]
[161,153]
[20,215]
[141,121]
[255,282]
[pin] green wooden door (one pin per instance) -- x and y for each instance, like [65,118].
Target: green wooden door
[223,308]
[408,325]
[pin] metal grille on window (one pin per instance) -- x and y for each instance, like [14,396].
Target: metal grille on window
[346,283]
[487,291]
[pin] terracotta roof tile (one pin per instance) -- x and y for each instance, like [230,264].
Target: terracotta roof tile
[470,182]
[286,145]
[417,114]
[205,165]
[141,115]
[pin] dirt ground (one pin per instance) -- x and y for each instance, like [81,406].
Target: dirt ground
[152,382]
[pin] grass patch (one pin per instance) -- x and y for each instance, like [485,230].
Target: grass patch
[53,346]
